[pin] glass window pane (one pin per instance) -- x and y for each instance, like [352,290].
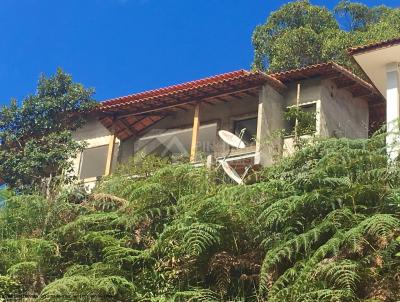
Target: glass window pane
[93,162]
[173,142]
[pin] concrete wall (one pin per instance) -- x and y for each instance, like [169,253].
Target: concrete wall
[310,91]
[223,113]
[270,122]
[342,115]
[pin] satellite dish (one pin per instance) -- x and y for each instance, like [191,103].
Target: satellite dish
[231,139]
[231,172]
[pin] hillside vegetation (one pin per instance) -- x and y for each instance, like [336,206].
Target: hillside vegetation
[320,226]
[301,33]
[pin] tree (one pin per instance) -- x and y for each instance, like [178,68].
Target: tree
[358,16]
[36,144]
[301,34]
[296,25]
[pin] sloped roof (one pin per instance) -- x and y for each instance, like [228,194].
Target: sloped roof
[129,115]
[132,114]
[373,46]
[343,78]
[207,87]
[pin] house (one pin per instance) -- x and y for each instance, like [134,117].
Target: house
[381,63]
[184,119]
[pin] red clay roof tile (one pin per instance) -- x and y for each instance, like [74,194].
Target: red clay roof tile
[186,87]
[373,46]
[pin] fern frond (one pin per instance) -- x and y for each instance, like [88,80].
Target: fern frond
[198,237]
[196,295]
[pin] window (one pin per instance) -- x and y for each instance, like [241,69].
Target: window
[306,117]
[177,142]
[247,129]
[93,162]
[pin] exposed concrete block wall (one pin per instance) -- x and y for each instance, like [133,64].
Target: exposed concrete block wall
[223,113]
[342,115]
[310,91]
[270,121]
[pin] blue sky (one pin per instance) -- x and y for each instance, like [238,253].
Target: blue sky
[125,46]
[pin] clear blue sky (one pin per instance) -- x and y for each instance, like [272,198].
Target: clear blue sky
[125,46]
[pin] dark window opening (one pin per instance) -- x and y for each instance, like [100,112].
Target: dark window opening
[306,116]
[246,129]
[93,162]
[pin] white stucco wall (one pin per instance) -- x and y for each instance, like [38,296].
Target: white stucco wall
[95,135]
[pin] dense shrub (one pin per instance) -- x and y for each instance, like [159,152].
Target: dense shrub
[319,226]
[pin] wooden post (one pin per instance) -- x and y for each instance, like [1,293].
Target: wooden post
[195,133]
[296,125]
[110,153]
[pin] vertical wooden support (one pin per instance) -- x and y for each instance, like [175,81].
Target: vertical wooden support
[296,125]
[195,133]
[110,153]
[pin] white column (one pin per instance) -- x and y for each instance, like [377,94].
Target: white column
[392,110]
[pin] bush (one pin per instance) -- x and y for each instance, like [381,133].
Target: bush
[319,226]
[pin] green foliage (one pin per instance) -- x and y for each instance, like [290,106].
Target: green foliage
[81,288]
[8,287]
[23,215]
[4,195]
[306,121]
[321,225]
[359,16]
[300,34]
[35,138]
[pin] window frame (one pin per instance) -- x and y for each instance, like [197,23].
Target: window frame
[81,159]
[177,130]
[245,117]
[317,115]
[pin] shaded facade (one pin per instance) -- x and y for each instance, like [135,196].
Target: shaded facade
[183,120]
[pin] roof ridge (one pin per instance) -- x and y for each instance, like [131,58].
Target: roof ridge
[373,45]
[174,86]
[312,66]
[330,64]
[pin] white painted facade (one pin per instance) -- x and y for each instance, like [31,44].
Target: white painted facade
[393,109]
[381,64]
[95,135]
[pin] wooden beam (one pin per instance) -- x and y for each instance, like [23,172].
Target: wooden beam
[250,93]
[362,94]
[234,95]
[110,153]
[127,126]
[221,99]
[346,84]
[209,103]
[195,133]
[180,104]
